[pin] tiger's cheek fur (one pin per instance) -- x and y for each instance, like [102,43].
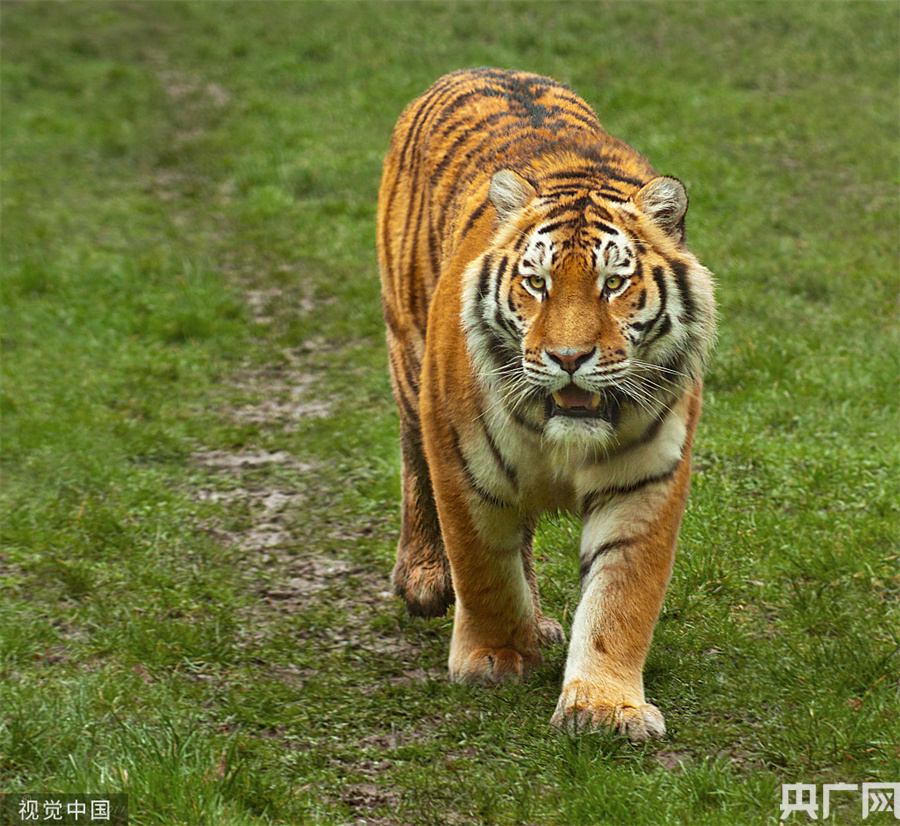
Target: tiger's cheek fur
[547,330]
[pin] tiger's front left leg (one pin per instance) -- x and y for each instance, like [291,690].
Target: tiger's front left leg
[627,551]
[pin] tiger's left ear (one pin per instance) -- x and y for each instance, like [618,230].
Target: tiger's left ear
[510,192]
[664,201]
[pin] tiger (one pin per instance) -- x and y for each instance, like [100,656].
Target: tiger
[547,332]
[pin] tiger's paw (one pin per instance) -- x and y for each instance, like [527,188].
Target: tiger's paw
[550,632]
[577,712]
[493,665]
[426,590]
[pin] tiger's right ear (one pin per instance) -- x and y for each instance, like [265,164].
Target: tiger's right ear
[510,192]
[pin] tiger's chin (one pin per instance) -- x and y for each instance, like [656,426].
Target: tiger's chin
[578,439]
[580,425]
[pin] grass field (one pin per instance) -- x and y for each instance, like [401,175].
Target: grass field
[200,471]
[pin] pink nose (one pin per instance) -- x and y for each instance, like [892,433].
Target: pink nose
[569,358]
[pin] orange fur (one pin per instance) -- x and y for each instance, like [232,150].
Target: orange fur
[547,329]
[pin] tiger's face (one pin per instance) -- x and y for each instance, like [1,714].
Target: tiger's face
[587,311]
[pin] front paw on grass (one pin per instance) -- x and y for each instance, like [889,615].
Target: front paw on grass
[638,721]
[494,665]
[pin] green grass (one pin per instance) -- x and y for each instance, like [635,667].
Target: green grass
[189,278]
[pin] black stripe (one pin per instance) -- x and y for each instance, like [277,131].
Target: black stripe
[450,107]
[500,351]
[484,278]
[552,227]
[569,116]
[523,239]
[679,271]
[434,244]
[613,195]
[562,191]
[659,278]
[414,298]
[451,152]
[578,206]
[591,501]
[508,471]
[499,319]
[408,411]
[471,481]
[425,106]
[472,219]
[653,431]
[663,330]
[588,562]
[520,420]
[501,269]
[606,229]
[665,476]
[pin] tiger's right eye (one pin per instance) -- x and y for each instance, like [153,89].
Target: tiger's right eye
[537,283]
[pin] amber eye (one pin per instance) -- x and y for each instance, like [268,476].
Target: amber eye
[613,282]
[537,283]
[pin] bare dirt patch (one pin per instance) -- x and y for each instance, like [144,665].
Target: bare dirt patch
[285,528]
[673,760]
[309,576]
[282,397]
[187,88]
[243,459]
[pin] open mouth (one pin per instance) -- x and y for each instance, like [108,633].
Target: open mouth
[575,403]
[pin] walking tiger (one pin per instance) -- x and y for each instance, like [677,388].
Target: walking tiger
[547,330]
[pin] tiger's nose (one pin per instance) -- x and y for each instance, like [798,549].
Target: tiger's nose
[569,358]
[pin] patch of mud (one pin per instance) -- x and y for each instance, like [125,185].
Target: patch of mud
[384,742]
[264,304]
[7,569]
[244,459]
[312,346]
[673,760]
[286,398]
[289,544]
[309,576]
[364,797]
[184,87]
[287,572]
[288,413]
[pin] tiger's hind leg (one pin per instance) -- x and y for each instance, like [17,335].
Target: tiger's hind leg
[421,574]
[550,632]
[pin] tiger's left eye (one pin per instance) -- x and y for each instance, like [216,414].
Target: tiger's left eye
[613,282]
[537,283]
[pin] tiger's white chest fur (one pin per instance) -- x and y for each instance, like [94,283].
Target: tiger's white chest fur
[526,471]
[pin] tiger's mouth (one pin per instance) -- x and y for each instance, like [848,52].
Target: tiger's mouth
[575,403]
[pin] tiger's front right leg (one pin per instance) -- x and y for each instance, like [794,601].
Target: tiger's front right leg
[496,628]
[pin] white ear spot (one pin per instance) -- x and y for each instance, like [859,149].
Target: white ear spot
[510,192]
[664,201]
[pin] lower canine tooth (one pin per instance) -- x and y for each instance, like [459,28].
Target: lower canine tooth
[595,401]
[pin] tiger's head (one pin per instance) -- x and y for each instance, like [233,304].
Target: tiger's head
[587,309]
